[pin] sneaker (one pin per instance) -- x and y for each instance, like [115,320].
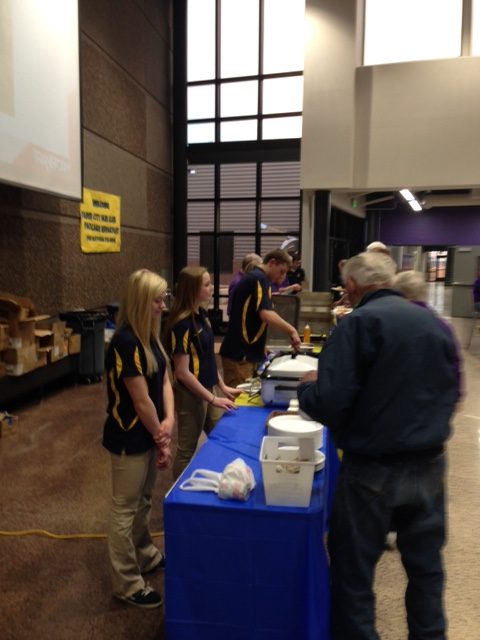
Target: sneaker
[147,598]
[160,565]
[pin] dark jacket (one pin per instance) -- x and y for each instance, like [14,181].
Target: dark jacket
[386,379]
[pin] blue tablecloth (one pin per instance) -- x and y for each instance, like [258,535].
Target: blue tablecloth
[244,570]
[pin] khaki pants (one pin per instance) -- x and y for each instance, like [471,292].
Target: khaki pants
[130,546]
[194,416]
[235,372]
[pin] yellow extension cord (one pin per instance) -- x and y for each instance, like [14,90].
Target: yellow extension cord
[62,536]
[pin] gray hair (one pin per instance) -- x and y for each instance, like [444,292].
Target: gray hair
[378,246]
[370,268]
[412,284]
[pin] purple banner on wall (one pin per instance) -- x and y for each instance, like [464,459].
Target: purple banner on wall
[447,226]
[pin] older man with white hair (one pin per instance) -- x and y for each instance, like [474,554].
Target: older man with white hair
[376,245]
[386,389]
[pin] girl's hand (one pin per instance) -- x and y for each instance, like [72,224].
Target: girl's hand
[223,403]
[231,392]
[164,457]
[163,437]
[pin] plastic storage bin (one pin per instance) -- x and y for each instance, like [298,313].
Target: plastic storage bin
[288,465]
[91,326]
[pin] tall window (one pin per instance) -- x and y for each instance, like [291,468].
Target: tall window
[245,69]
[244,100]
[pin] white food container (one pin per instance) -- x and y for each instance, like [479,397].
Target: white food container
[296,426]
[288,465]
[281,377]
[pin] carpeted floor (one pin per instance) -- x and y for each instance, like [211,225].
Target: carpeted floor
[56,476]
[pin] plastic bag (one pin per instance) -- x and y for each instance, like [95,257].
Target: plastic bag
[235,482]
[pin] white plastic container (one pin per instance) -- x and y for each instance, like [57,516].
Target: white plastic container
[288,465]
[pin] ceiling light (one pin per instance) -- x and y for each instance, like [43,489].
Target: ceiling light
[408,195]
[416,206]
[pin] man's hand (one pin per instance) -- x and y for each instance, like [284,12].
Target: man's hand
[310,376]
[295,340]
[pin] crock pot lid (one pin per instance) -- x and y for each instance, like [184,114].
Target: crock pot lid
[287,364]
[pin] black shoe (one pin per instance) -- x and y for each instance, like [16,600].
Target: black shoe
[160,565]
[147,598]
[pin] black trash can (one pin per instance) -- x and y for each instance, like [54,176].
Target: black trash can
[91,326]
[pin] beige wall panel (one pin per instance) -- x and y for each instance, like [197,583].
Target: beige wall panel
[329,92]
[384,127]
[159,142]
[113,104]
[420,124]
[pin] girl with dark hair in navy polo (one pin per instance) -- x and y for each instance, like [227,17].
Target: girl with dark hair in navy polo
[190,340]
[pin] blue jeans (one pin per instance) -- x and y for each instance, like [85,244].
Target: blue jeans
[371,497]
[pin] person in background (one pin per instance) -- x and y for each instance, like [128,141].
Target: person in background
[343,302]
[190,341]
[285,288]
[243,346]
[412,285]
[476,294]
[137,434]
[386,389]
[292,283]
[248,263]
[296,275]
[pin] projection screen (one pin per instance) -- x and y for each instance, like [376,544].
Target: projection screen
[40,125]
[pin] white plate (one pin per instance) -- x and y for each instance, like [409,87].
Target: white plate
[295,425]
[291,452]
[319,460]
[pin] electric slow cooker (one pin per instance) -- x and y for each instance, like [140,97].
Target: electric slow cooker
[281,376]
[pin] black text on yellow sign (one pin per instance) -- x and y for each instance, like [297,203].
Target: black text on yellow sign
[100,222]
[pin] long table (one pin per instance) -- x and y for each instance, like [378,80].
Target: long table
[245,570]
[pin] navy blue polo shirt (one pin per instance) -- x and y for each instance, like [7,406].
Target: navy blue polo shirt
[123,430]
[193,336]
[247,333]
